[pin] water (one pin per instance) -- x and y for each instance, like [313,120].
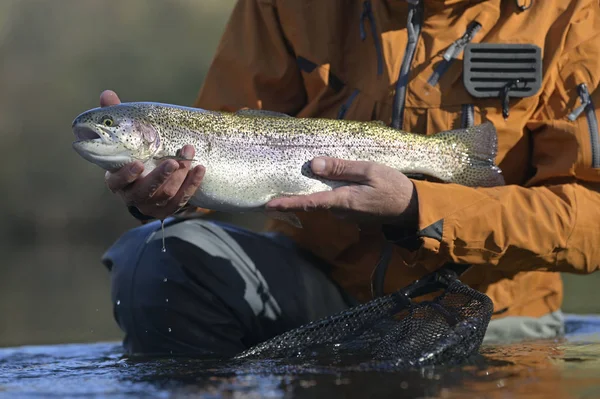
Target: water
[162,229]
[567,368]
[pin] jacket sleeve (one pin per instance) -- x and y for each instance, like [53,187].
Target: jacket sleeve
[553,221]
[254,66]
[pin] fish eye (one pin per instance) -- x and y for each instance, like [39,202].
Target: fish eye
[107,121]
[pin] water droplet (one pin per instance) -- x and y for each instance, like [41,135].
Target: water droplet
[165,280]
[169,329]
[118,302]
[162,228]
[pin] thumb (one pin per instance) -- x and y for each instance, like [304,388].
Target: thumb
[340,169]
[109,97]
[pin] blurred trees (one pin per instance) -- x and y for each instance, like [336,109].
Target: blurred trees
[57,215]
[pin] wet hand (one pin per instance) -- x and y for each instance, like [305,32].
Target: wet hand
[378,194]
[161,192]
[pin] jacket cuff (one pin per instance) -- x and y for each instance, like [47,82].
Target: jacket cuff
[135,212]
[425,246]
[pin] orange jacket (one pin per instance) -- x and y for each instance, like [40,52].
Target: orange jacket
[342,59]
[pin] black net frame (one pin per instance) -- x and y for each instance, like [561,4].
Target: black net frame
[393,331]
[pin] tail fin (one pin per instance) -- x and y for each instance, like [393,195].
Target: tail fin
[479,166]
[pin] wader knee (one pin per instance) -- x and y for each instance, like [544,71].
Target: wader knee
[160,305]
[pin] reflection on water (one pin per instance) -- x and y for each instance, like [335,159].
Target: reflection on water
[567,368]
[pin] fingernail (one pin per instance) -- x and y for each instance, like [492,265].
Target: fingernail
[136,168]
[186,152]
[170,167]
[318,165]
[198,171]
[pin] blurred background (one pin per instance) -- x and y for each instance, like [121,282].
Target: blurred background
[57,216]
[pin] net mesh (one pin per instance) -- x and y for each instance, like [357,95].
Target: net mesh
[393,331]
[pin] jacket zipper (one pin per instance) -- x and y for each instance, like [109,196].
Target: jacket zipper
[468,116]
[588,106]
[368,14]
[453,51]
[413,25]
[347,104]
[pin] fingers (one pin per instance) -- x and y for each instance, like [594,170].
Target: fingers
[188,188]
[331,168]
[162,191]
[109,97]
[170,185]
[173,203]
[148,188]
[188,152]
[339,169]
[120,179]
[190,185]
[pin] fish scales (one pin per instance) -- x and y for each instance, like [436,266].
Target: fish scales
[254,156]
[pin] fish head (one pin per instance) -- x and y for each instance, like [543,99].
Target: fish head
[113,136]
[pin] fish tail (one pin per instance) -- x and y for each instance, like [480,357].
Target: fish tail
[478,168]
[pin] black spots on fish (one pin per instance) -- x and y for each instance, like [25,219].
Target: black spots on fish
[306,170]
[469,155]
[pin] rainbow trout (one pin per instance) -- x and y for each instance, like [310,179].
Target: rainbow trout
[253,156]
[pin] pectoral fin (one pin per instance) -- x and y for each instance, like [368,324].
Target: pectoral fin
[176,157]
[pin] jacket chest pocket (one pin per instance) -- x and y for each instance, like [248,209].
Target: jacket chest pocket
[329,96]
[567,138]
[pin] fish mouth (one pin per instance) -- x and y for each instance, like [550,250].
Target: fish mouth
[92,147]
[85,133]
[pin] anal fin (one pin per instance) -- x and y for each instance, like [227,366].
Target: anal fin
[288,217]
[175,157]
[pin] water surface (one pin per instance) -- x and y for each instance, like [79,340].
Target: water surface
[566,368]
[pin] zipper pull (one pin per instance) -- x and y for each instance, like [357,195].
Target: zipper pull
[365,14]
[524,7]
[459,45]
[468,116]
[504,95]
[584,95]
[453,51]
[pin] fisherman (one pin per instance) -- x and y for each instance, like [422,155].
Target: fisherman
[219,289]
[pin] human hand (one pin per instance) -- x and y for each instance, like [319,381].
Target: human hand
[379,194]
[161,192]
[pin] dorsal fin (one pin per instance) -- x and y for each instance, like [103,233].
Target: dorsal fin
[261,113]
